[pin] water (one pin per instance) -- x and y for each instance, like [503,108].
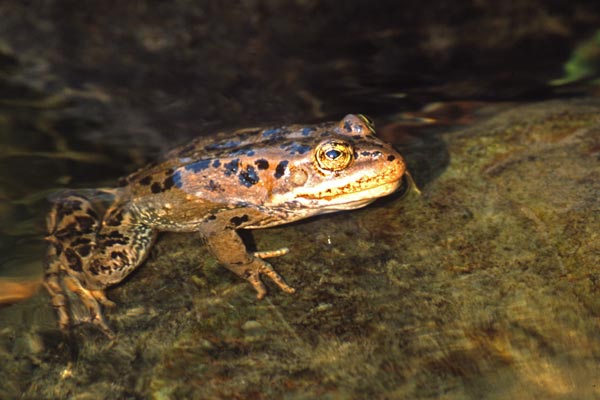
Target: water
[483,286]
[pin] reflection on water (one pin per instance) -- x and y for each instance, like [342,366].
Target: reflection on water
[35,160]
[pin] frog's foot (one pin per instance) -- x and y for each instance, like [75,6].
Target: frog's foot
[254,269]
[92,299]
[229,249]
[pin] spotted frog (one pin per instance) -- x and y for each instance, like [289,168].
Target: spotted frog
[250,179]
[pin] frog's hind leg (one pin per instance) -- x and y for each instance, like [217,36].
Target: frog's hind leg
[72,224]
[123,244]
[91,248]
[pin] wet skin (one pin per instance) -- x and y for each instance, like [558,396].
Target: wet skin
[249,179]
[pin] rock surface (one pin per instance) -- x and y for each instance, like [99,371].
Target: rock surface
[485,286]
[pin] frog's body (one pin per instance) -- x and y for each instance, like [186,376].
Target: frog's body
[253,178]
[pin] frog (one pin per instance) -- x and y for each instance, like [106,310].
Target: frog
[251,178]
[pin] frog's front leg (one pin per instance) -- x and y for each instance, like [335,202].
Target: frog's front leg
[228,248]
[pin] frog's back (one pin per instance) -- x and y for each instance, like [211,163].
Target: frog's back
[286,173]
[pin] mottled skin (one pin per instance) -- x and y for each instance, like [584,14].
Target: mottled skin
[252,178]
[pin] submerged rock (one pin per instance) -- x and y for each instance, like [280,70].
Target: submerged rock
[486,285]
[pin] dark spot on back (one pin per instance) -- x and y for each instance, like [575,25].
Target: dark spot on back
[280,169]
[297,148]
[198,165]
[168,183]
[261,164]
[248,177]
[391,157]
[146,180]
[216,163]
[155,187]
[237,221]
[231,167]
[212,217]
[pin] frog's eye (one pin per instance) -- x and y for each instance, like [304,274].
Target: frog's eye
[368,121]
[334,156]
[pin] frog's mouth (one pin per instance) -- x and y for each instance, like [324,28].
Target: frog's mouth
[348,201]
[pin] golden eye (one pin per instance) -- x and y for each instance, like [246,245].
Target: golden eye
[334,156]
[368,121]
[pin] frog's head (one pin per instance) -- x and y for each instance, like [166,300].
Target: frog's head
[347,167]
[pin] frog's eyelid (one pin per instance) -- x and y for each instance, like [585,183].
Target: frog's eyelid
[368,122]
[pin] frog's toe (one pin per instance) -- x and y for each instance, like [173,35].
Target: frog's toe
[266,269]
[98,321]
[252,270]
[100,296]
[92,300]
[271,253]
[257,284]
